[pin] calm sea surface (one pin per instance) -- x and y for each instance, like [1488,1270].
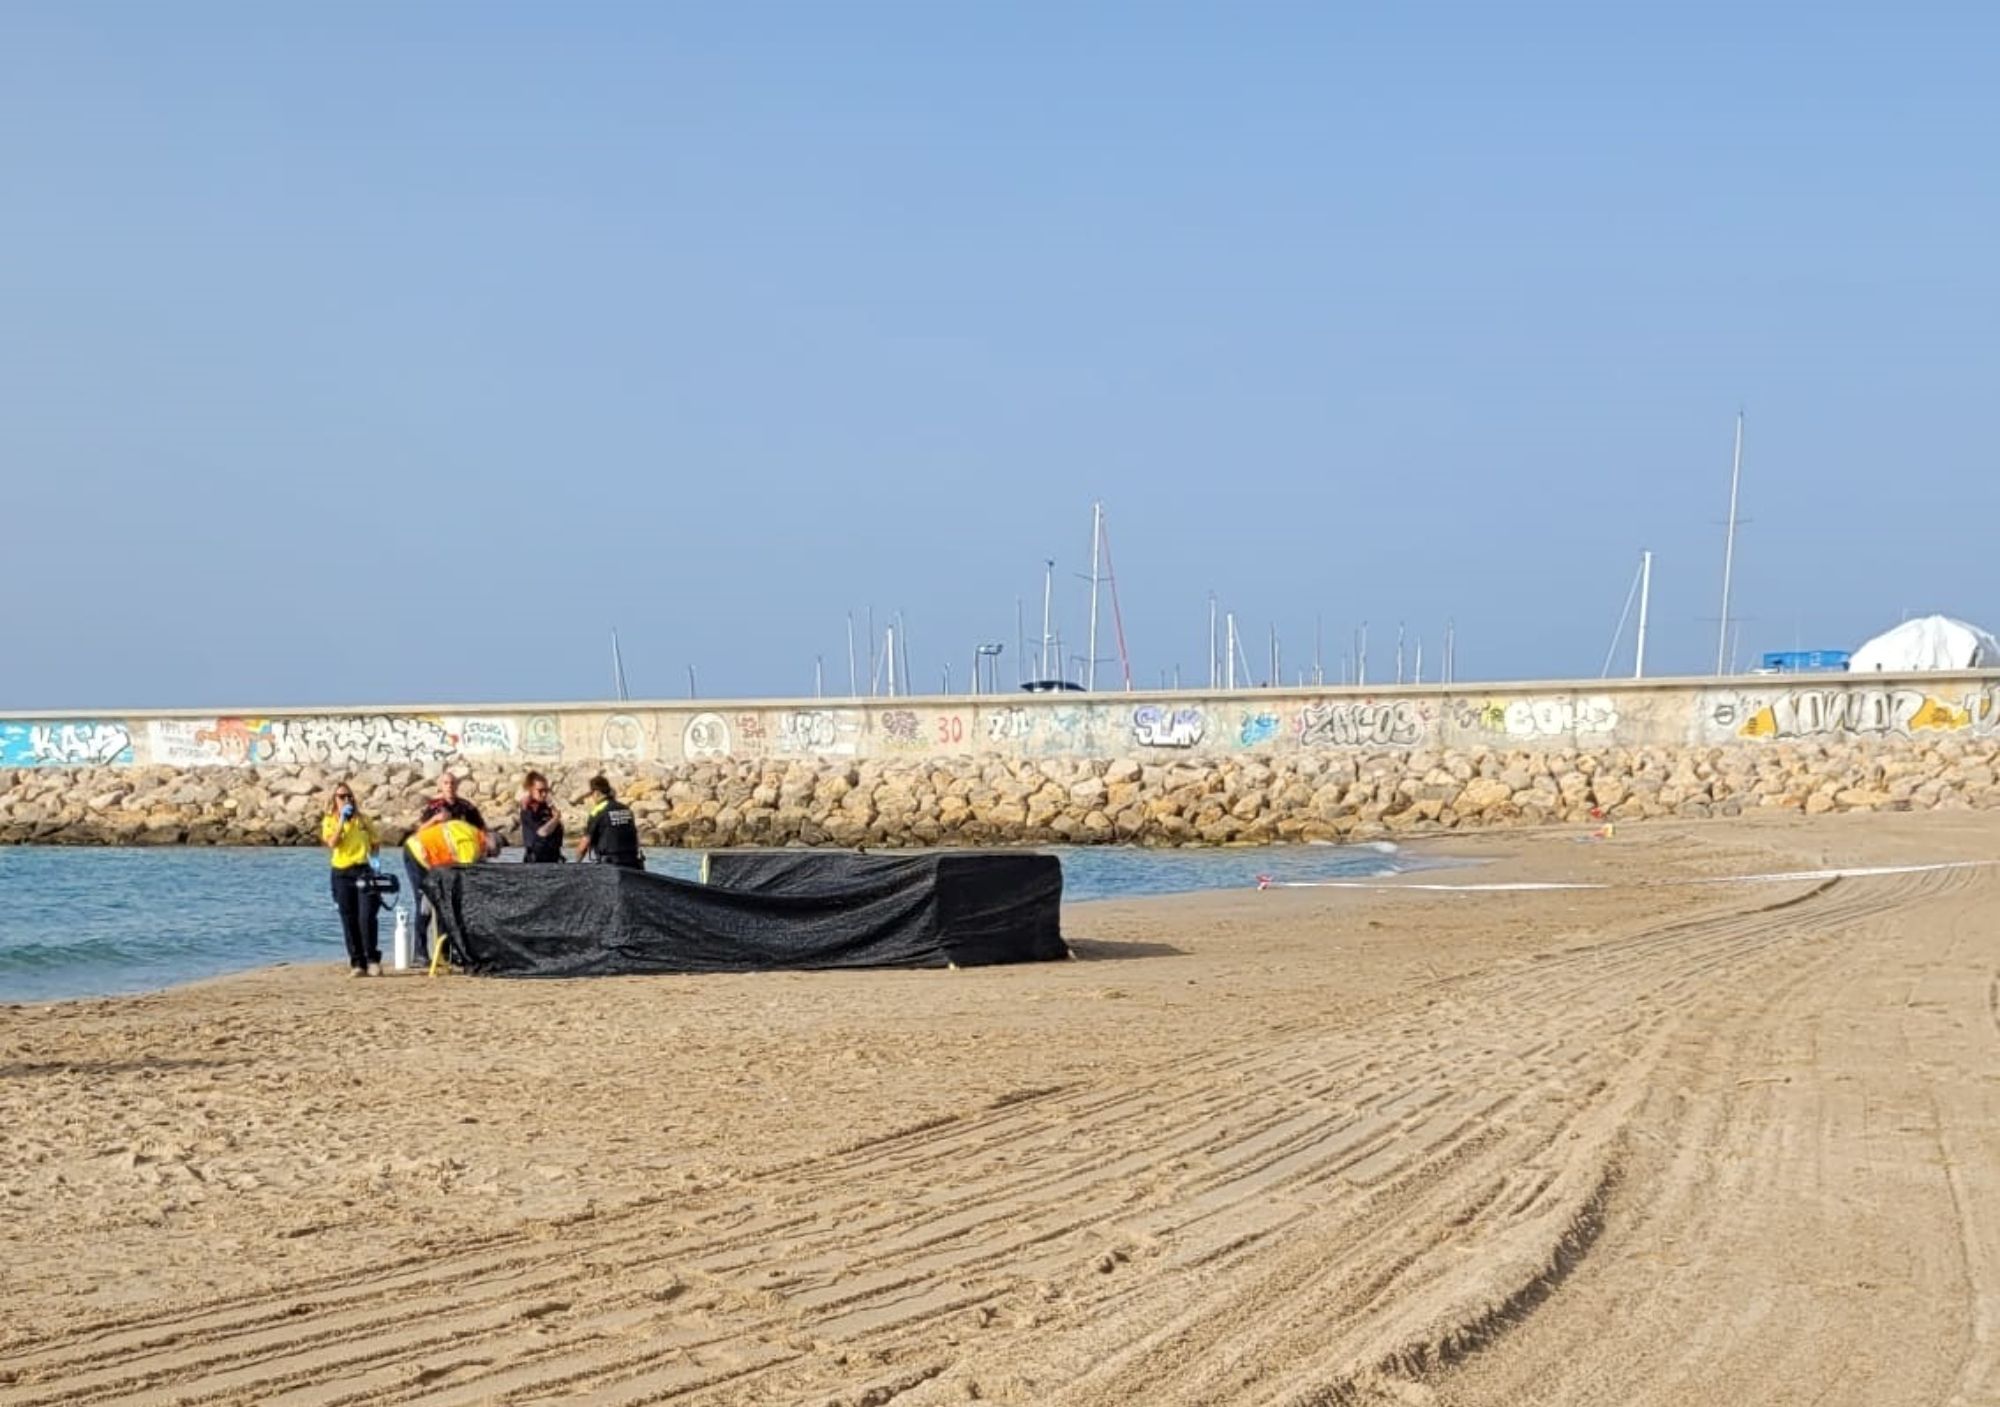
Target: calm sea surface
[91,922]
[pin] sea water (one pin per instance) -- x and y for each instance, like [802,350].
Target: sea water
[79,922]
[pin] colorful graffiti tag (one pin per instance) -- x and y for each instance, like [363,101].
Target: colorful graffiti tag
[1557,717]
[78,743]
[1844,712]
[1257,728]
[335,740]
[1338,723]
[1155,725]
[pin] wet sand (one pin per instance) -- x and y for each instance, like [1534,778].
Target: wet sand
[1670,1144]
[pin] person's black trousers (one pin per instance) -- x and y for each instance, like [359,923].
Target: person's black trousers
[357,916]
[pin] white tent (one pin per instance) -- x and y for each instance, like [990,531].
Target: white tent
[1928,642]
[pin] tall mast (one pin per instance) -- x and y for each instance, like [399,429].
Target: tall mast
[617,668]
[1048,593]
[1729,546]
[1096,538]
[1213,663]
[1117,611]
[1645,596]
[1020,642]
[853,688]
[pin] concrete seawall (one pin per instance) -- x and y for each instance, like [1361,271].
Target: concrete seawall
[1184,768]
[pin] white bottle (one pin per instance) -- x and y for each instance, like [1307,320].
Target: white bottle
[399,946]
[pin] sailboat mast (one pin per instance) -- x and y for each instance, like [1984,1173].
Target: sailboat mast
[1213,663]
[1048,595]
[1020,642]
[1096,540]
[1645,597]
[1729,546]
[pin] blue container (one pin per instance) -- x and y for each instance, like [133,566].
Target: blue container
[1804,661]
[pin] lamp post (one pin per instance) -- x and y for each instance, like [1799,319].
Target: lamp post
[990,651]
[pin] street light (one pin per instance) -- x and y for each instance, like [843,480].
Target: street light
[990,650]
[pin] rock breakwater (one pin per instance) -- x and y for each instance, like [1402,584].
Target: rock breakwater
[992,800]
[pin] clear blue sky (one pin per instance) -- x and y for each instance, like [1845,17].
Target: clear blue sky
[322,324]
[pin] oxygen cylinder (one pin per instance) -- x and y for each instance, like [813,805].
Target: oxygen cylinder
[399,946]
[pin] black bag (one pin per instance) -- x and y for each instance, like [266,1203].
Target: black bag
[383,885]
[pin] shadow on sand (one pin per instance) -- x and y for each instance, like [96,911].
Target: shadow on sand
[21,1069]
[1110,950]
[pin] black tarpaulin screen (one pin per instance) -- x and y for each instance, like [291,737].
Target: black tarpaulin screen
[772,909]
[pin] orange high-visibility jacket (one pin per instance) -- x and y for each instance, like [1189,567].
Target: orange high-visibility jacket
[447,843]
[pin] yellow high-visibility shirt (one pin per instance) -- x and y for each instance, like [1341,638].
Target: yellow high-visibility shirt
[357,840]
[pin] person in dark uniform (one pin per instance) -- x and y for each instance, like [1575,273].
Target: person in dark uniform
[612,836]
[541,824]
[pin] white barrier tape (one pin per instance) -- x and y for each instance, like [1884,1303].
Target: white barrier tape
[1265,881]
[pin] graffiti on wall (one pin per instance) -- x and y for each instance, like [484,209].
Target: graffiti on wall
[1257,728]
[483,737]
[1363,723]
[819,732]
[1558,716]
[334,740]
[1076,730]
[541,735]
[179,742]
[905,730]
[1008,725]
[1156,725]
[1838,712]
[705,736]
[236,742]
[623,739]
[360,739]
[78,743]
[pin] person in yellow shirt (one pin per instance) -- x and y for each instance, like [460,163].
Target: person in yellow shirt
[351,837]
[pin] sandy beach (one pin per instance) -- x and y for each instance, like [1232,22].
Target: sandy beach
[1658,1143]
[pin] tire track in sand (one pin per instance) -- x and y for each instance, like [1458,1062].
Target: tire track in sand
[1249,1188]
